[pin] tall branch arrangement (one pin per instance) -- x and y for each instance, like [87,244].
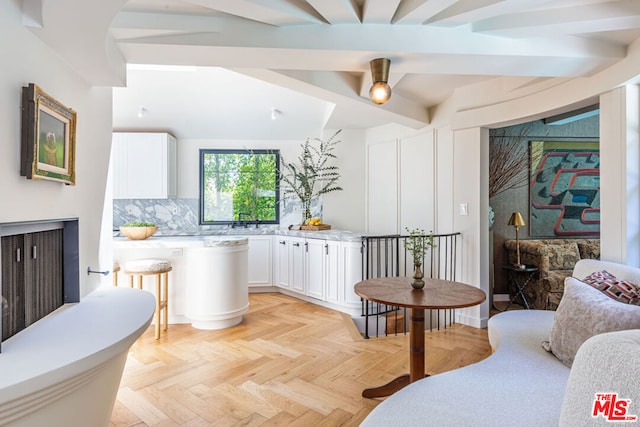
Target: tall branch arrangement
[509,165]
[313,175]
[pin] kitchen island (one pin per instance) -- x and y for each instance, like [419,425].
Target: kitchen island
[217,293]
[317,266]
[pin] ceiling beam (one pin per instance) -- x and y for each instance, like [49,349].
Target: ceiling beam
[465,11]
[189,53]
[337,11]
[379,11]
[341,89]
[419,11]
[613,16]
[273,12]
[381,40]
[75,40]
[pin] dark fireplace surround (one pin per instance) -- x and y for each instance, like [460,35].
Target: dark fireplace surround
[39,271]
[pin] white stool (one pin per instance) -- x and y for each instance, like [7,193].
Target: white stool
[153,267]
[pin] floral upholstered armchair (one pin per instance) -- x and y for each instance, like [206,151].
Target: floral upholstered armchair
[555,259]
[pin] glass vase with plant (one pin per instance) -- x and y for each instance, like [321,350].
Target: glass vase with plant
[418,243]
[313,175]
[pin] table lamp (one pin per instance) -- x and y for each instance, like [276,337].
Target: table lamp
[517,221]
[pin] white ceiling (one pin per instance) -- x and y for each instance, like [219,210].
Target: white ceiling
[309,59]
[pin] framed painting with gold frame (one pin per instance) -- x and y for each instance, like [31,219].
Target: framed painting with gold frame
[48,137]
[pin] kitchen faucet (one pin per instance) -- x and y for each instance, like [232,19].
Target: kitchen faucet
[240,215]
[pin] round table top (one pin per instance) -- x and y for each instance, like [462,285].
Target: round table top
[436,294]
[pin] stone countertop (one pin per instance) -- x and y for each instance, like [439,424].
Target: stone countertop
[181,241]
[341,235]
[230,233]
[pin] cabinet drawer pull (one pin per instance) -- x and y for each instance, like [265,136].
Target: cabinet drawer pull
[282,242]
[296,244]
[18,255]
[326,249]
[34,252]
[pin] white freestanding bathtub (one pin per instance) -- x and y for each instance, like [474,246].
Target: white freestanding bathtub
[65,369]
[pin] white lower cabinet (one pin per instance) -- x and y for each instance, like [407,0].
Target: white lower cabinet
[281,261]
[289,262]
[260,261]
[315,268]
[324,270]
[297,258]
[333,271]
[350,273]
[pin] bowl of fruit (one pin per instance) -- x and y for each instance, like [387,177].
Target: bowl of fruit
[315,224]
[137,230]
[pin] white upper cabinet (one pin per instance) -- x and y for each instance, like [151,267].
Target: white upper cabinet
[144,166]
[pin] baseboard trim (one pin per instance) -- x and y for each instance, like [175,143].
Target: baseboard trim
[472,321]
[501,297]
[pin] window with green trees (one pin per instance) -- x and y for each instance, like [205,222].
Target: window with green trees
[239,184]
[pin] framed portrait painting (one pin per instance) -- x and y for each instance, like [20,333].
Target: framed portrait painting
[48,137]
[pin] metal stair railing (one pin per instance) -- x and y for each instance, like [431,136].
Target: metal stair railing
[386,256]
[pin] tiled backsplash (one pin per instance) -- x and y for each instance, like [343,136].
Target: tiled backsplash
[180,216]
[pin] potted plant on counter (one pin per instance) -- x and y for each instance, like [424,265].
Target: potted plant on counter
[138,230]
[313,175]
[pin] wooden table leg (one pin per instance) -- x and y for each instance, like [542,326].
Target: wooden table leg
[416,345]
[387,389]
[416,360]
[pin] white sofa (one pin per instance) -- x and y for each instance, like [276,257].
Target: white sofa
[522,384]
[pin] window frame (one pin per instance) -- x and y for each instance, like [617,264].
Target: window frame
[201,195]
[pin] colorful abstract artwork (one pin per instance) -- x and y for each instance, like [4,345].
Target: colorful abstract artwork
[565,189]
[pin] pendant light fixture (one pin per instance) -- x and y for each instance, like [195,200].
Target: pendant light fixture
[380,91]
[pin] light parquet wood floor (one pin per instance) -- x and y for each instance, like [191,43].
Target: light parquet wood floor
[289,363]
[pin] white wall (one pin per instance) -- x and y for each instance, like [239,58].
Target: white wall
[26,60]
[471,187]
[344,210]
[417,182]
[402,175]
[382,188]
[619,177]
[444,192]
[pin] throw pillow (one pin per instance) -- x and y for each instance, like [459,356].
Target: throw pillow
[584,312]
[589,248]
[563,257]
[602,276]
[619,290]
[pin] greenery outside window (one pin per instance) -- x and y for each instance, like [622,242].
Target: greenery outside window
[239,185]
